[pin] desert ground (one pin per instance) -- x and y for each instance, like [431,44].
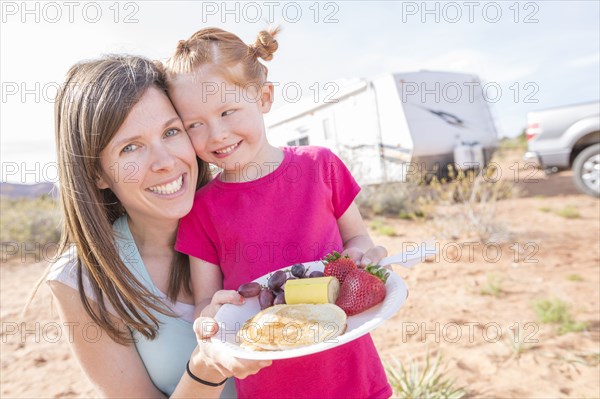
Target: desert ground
[473,305]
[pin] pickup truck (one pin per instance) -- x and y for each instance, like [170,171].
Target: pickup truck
[567,137]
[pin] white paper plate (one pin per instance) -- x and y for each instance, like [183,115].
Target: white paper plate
[231,318]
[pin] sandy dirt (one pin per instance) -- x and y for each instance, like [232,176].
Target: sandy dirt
[546,256]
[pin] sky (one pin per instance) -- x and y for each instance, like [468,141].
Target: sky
[532,54]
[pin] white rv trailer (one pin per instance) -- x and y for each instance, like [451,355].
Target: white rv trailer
[394,125]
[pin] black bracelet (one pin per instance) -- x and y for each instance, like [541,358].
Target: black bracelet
[200,380]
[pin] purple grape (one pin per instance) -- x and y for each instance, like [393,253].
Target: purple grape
[316,273]
[249,290]
[266,298]
[298,270]
[276,280]
[279,299]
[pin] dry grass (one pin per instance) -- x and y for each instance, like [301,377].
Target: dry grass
[467,206]
[461,206]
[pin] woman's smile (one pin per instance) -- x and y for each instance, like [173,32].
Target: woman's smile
[170,188]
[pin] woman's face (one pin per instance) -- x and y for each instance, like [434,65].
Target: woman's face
[150,163]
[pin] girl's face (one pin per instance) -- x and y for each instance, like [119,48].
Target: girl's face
[224,121]
[150,163]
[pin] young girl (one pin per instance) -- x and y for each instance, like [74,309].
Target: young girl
[269,207]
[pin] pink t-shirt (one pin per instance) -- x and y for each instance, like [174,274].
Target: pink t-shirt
[288,216]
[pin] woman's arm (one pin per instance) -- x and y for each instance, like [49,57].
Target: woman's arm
[115,370]
[357,242]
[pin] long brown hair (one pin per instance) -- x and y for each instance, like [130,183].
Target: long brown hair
[92,104]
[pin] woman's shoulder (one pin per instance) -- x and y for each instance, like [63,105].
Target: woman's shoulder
[64,268]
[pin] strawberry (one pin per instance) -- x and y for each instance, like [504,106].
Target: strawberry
[362,289]
[337,266]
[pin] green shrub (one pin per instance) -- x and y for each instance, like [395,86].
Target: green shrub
[395,200]
[557,312]
[514,341]
[474,186]
[387,231]
[493,286]
[428,382]
[515,143]
[569,212]
[382,229]
[28,222]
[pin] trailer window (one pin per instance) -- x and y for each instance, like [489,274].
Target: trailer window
[298,142]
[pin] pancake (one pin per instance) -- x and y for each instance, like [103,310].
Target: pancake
[283,327]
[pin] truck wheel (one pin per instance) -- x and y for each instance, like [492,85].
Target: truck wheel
[586,170]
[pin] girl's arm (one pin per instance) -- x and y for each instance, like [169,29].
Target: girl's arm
[357,242]
[207,279]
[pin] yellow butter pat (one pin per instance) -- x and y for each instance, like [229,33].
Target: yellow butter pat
[312,290]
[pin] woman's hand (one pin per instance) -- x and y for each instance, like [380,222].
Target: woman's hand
[216,365]
[371,257]
[207,359]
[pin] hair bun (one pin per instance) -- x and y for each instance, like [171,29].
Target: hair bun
[182,46]
[265,44]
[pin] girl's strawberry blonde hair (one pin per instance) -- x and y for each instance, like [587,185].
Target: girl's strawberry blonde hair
[236,60]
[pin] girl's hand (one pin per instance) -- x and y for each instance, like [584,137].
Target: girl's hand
[214,364]
[371,257]
[219,298]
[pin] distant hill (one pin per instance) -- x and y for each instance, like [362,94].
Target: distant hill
[13,190]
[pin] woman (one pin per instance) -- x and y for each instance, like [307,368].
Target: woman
[128,173]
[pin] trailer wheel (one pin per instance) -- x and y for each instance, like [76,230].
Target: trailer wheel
[586,170]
